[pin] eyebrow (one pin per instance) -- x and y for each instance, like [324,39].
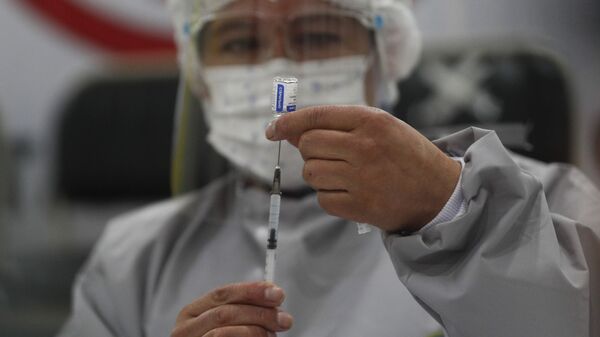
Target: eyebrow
[327,18]
[234,25]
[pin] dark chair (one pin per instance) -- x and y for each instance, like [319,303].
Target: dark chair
[519,91]
[114,140]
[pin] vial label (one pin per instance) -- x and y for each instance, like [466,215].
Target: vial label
[285,92]
[280,92]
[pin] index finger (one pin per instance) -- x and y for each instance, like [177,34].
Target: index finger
[263,294]
[330,117]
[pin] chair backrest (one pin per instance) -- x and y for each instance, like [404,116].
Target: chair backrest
[520,92]
[114,139]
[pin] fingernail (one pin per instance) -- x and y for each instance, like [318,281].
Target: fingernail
[284,320]
[270,132]
[274,294]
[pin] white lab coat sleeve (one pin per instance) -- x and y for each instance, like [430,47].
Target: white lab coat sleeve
[509,266]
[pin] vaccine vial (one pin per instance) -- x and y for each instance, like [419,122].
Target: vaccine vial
[285,95]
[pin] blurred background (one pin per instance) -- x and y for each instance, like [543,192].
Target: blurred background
[87,90]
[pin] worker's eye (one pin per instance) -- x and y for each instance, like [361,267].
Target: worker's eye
[243,45]
[304,41]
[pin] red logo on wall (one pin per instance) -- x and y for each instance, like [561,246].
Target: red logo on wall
[114,25]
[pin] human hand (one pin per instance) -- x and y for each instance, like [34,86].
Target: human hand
[237,310]
[369,166]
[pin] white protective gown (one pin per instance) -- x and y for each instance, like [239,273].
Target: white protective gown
[524,260]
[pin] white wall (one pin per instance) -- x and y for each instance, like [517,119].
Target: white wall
[39,66]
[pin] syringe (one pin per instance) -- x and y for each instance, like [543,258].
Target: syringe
[274,210]
[283,101]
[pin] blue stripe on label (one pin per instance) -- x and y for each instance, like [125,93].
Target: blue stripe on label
[280,92]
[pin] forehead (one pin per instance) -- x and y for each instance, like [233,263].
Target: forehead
[278,7]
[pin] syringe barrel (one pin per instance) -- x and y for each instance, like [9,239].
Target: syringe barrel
[272,240]
[270,265]
[274,210]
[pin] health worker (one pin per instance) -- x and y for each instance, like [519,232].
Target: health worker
[475,240]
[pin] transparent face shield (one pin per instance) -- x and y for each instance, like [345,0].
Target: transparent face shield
[303,37]
[232,50]
[300,31]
